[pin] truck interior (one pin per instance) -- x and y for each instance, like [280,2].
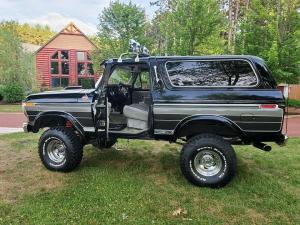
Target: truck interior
[128,94]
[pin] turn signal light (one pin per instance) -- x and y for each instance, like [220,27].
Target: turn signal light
[28,104]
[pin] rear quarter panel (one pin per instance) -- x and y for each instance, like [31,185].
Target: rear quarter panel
[240,105]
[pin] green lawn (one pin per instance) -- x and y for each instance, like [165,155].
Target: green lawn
[10,108]
[143,185]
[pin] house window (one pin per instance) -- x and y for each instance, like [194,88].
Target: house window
[85,71]
[59,68]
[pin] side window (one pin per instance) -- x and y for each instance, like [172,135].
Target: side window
[137,83]
[120,75]
[222,73]
[145,78]
[142,81]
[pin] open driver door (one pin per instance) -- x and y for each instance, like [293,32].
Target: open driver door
[100,111]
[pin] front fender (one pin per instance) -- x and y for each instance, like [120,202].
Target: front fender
[207,124]
[53,118]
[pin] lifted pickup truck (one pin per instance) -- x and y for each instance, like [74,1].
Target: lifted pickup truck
[209,102]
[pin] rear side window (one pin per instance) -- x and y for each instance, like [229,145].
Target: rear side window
[220,73]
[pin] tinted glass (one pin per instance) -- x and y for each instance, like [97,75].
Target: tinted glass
[54,67]
[64,82]
[90,69]
[137,83]
[120,75]
[80,69]
[65,68]
[266,75]
[55,55]
[55,82]
[80,56]
[64,55]
[211,73]
[145,80]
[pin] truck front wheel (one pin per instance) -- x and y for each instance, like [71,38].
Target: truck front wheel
[60,149]
[208,161]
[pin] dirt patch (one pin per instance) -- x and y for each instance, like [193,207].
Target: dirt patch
[22,173]
[256,217]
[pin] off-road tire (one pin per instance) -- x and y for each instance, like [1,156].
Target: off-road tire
[73,149]
[220,149]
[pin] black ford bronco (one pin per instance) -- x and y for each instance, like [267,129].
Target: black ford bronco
[207,102]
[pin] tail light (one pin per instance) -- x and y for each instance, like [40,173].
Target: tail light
[268,106]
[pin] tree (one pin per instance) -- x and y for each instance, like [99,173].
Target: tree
[270,29]
[16,65]
[188,27]
[36,34]
[117,24]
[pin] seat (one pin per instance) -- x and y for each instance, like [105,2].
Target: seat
[137,115]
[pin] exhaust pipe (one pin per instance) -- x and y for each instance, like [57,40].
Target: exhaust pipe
[262,146]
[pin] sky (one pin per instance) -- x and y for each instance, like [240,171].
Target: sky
[58,13]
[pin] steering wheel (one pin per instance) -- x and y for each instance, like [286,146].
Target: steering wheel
[123,89]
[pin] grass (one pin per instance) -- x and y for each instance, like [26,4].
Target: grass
[10,108]
[142,184]
[294,103]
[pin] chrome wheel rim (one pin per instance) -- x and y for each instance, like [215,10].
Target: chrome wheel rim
[208,162]
[56,150]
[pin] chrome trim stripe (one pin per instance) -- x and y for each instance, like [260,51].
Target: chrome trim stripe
[163,132]
[89,129]
[212,60]
[231,121]
[68,107]
[208,105]
[213,109]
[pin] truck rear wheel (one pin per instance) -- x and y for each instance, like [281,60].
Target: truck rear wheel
[60,149]
[208,161]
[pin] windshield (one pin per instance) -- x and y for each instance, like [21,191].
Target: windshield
[121,75]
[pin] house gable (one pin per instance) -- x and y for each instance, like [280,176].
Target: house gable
[71,69]
[69,37]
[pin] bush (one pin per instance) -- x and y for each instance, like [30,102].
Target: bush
[87,84]
[294,103]
[1,92]
[13,93]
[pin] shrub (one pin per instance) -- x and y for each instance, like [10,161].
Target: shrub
[87,84]
[294,103]
[1,92]
[13,93]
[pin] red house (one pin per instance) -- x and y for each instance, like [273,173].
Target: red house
[65,60]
